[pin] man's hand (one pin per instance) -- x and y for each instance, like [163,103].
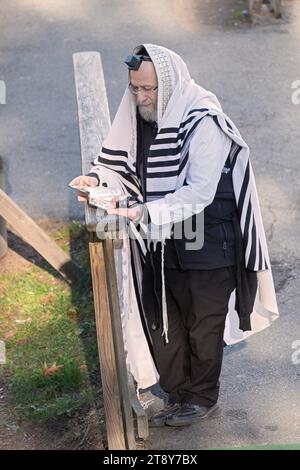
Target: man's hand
[132,213]
[82,181]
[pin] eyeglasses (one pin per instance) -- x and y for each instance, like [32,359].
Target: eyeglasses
[146,89]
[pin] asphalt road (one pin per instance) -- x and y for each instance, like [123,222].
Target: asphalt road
[251,70]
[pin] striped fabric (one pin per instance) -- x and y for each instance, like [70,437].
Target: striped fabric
[167,161]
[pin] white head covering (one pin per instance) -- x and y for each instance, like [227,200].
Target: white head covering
[175,85]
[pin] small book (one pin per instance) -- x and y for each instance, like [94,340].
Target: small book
[98,196]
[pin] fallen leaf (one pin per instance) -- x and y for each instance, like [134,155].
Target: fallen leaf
[47,316]
[47,298]
[73,315]
[52,369]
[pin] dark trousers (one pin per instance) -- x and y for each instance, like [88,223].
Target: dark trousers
[190,363]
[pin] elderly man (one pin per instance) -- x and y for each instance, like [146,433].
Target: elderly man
[175,151]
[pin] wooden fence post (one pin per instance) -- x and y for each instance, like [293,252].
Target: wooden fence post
[3,231]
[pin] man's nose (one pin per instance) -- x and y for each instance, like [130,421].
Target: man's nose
[143,99]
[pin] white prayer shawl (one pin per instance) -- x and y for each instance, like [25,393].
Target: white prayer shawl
[181,106]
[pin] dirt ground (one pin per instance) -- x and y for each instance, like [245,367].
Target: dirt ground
[80,432]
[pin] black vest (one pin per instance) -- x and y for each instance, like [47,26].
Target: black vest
[221,229]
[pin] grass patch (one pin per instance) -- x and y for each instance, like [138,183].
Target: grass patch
[49,331]
[238,14]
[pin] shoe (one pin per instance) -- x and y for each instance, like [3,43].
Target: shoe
[160,418]
[189,414]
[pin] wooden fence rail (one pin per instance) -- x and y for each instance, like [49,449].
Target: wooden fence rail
[3,231]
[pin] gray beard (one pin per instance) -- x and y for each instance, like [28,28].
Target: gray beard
[147,114]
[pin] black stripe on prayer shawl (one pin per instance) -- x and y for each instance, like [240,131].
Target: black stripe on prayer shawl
[139,302]
[199,110]
[231,154]
[129,178]
[142,235]
[191,130]
[175,130]
[229,127]
[243,190]
[253,251]
[237,148]
[169,140]
[183,163]
[215,118]
[165,152]
[255,256]
[133,191]
[252,255]
[235,151]
[185,143]
[187,121]
[159,193]
[134,234]
[260,264]
[129,182]
[217,121]
[168,130]
[247,224]
[121,153]
[109,162]
[172,130]
[165,174]
[163,163]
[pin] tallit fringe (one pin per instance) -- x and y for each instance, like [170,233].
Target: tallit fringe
[163,294]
